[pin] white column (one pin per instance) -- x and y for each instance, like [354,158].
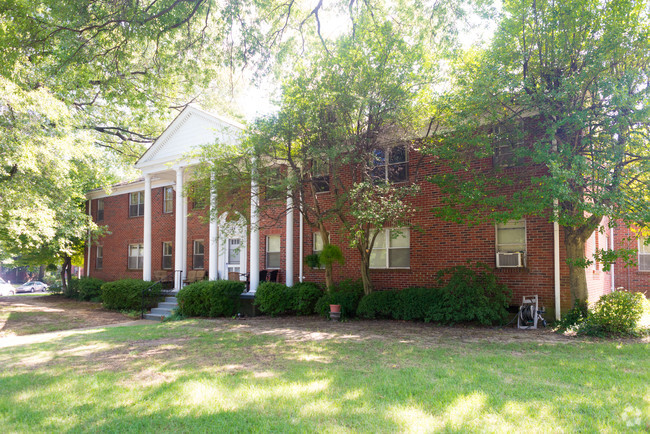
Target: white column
[90,206]
[289,241]
[146,263]
[178,239]
[255,235]
[213,267]
[185,201]
[556,262]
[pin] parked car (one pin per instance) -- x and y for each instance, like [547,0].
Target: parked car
[32,287]
[6,288]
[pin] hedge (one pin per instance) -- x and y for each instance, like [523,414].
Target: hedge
[347,293]
[126,294]
[277,299]
[210,298]
[85,288]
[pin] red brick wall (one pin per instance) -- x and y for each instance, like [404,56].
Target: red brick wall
[629,277]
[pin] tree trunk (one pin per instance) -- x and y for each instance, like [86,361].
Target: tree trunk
[41,272]
[329,279]
[574,243]
[365,271]
[66,273]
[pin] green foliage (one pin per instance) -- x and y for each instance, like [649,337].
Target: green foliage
[306,298]
[274,298]
[126,294]
[470,296]
[331,254]
[617,313]
[210,298]
[574,317]
[412,304]
[85,289]
[378,304]
[346,293]
[313,260]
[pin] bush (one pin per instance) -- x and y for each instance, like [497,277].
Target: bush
[126,294]
[617,313]
[379,304]
[306,297]
[412,304]
[574,317]
[470,295]
[274,298]
[210,298]
[347,293]
[89,288]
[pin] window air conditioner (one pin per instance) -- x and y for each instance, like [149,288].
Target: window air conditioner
[512,260]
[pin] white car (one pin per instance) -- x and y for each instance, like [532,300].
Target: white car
[32,287]
[6,288]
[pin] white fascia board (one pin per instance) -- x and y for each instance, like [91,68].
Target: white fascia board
[152,167]
[127,188]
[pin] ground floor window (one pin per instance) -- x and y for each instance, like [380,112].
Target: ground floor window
[273,251]
[392,249]
[234,255]
[167,255]
[136,256]
[99,262]
[199,253]
[511,244]
[644,254]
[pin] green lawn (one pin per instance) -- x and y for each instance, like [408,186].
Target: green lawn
[231,376]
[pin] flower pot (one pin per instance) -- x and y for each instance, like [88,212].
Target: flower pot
[335,312]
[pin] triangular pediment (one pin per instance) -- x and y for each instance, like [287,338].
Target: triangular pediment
[191,129]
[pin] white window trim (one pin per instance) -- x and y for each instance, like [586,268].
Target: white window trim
[524,260]
[165,189]
[266,258]
[238,263]
[100,202]
[387,239]
[387,164]
[98,257]
[194,254]
[640,242]
[171,255]
[140,257]
[139,203]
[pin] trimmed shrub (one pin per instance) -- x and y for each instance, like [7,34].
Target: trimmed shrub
[307,295]
[617,313]
[274,298]
[89,288]
[347,293]
[210,298]
[574,317]
[378,304]
[126,294]
[412,304]
[470,296]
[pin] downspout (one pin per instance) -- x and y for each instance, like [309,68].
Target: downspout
[556,251]
[300,246]
[90,204]
[611,269]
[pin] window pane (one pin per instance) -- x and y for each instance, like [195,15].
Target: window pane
[398,172]
[378,258]
[167,263]
[400,257]
[397,154]
[234,251]
[198,261]
[318,243]
[402,240]
[378,174]
[167,249]
[380,241]
[378,157]
[273,260]
[512,236]
[643,248]
[273,243]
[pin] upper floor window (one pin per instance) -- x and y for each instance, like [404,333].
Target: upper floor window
[511,244]
[389,164]
[99,262]
[136,204]
[507,139]
[273,251]
[136,256]
[199,252]
[644,254]
[100,209]
[168,200]
[167,255]
[392,249]
[320,177]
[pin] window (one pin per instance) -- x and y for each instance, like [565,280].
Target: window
[320,176]
[168,200]
[100,209]
[197,260]
[506,139]
[136,204]
[167,255]
[389,165]
[99,262]
[318,243]
[234,255]
[511,243]
[136,256]
[392,249]
[273,251]
[644,254]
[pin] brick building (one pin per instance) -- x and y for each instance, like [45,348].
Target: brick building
[148,234]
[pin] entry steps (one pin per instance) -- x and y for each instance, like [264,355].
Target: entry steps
[163,310]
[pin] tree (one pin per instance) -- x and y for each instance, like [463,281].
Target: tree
[570,81]
[354,97]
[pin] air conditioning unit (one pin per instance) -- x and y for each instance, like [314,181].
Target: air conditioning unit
[510,260]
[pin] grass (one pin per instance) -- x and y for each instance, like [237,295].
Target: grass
[230,376]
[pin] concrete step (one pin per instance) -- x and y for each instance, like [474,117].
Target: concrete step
[168,304]
[170,299]
[161,311]
[154,316]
